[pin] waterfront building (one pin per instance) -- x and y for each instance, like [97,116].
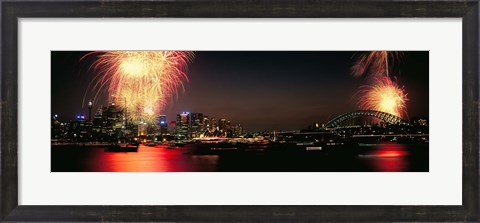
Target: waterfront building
[238,130]
[196,125]
[222,124]
[80,130]
[57,128]
[213,124]
[206,123]
[182,126]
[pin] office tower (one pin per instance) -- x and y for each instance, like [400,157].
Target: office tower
[183,126]
[162,122]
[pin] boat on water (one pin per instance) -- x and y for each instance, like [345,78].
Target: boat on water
[151,144]
[172,147]
[123,146]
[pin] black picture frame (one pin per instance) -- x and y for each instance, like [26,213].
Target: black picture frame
[468,10]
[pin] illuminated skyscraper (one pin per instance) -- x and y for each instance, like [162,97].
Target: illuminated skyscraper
[162,122]
[222,124]
[206,123]
[182,126]
[90,104]
[213,124]
[196,124]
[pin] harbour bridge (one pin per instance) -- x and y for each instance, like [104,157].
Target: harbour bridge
[386,117]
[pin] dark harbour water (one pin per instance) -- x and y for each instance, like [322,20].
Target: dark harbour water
[396,158]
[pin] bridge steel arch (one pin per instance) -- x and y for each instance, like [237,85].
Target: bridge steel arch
[386,117]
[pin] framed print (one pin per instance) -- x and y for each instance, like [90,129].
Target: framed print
[237,111]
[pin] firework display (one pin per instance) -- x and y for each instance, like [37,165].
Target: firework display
[141,82]
[381,93]
[374,64]
[384,95]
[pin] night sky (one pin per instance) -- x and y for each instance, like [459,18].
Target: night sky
[262,90]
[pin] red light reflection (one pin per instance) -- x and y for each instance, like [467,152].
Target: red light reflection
[151,159]
[389,157]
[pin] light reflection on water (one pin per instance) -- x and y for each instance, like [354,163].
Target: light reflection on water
[387,157]
[384,157]
[150,159]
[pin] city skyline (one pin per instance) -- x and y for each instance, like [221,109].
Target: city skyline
[259,90]
[240,111]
